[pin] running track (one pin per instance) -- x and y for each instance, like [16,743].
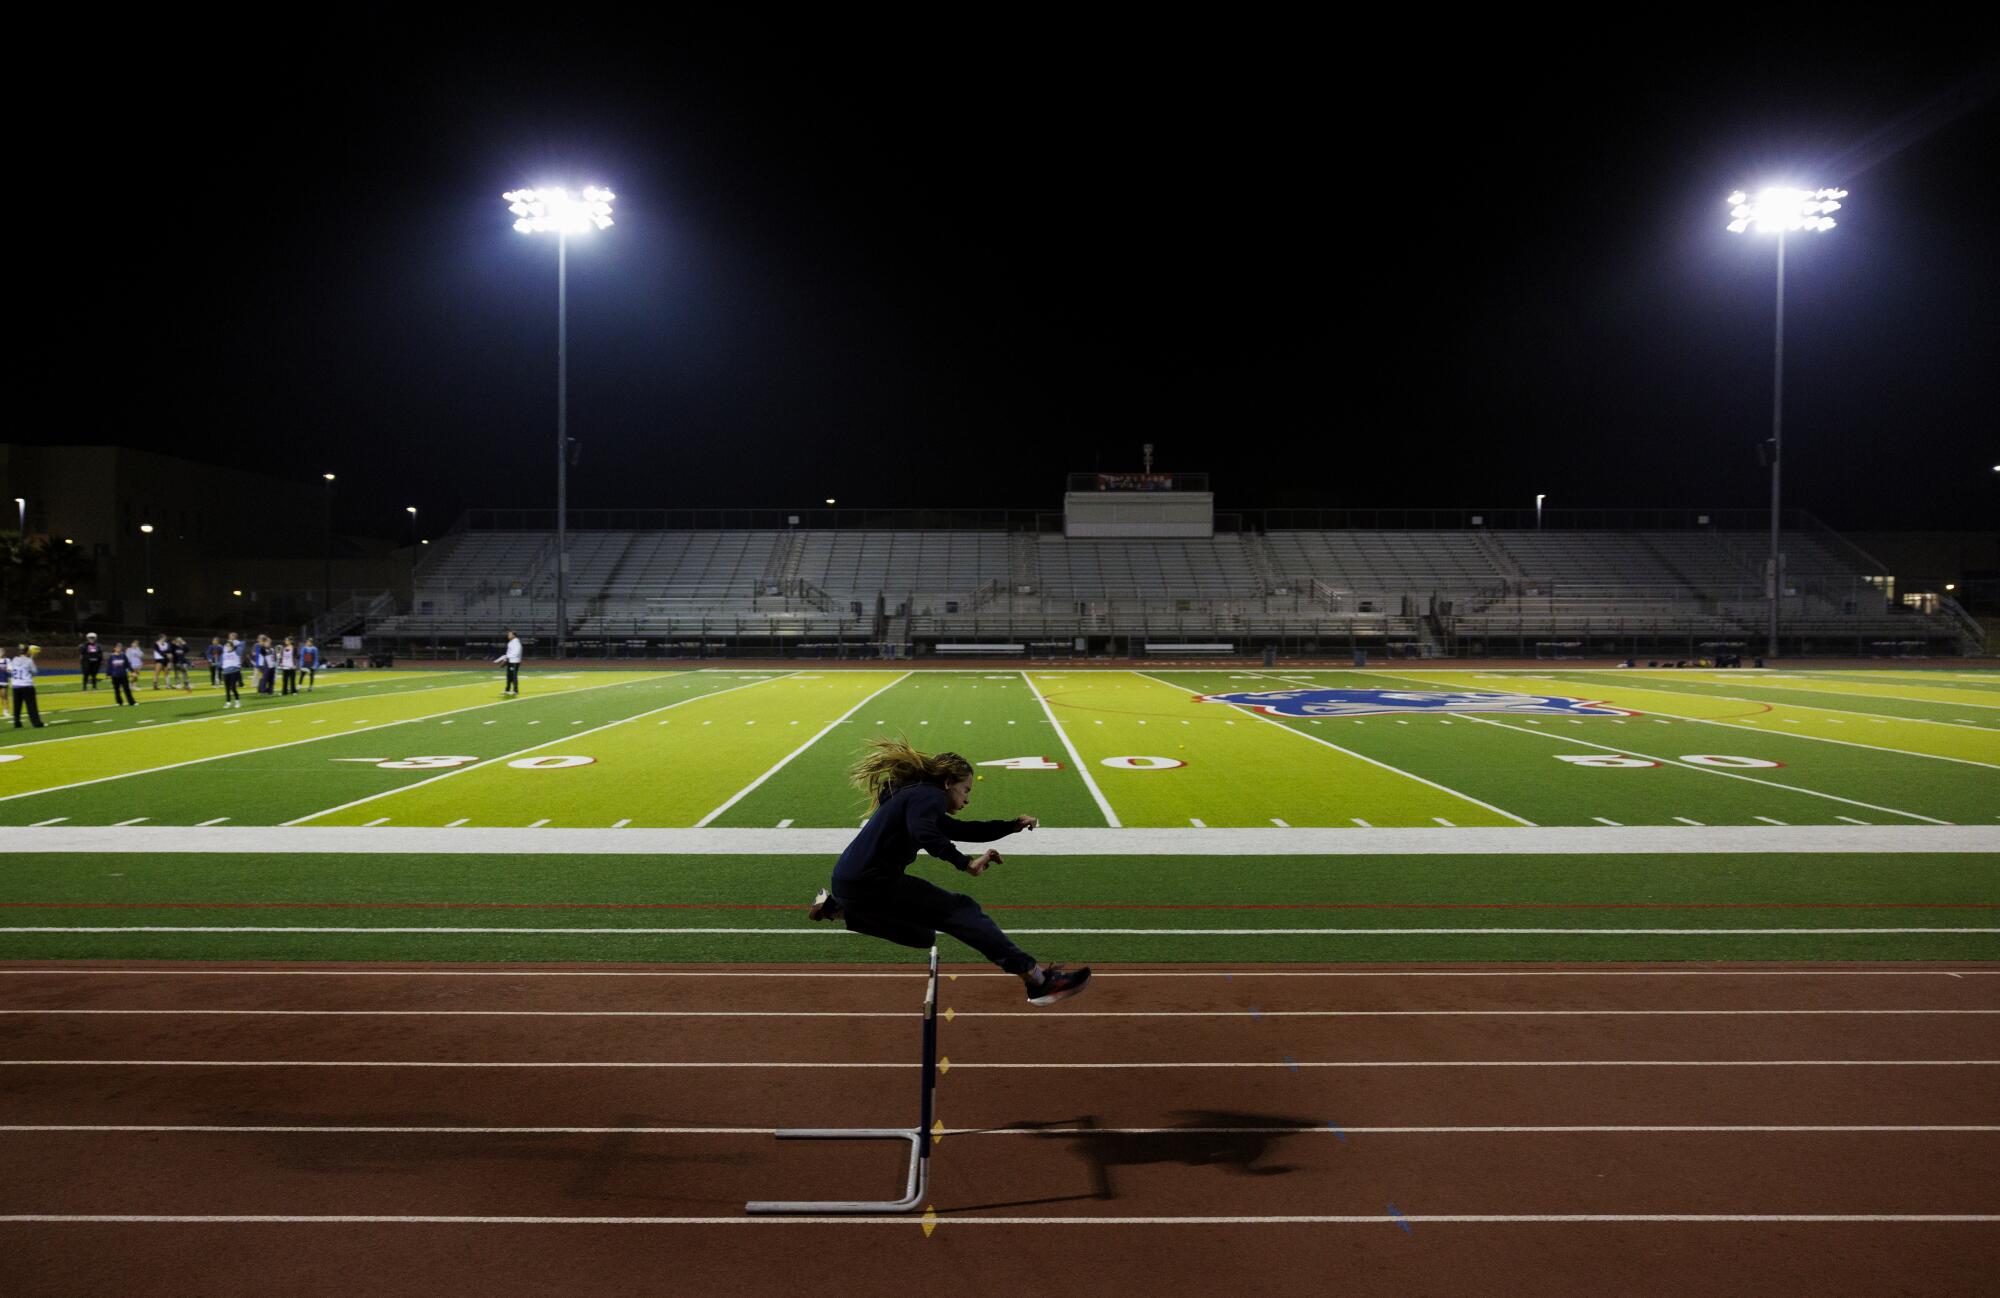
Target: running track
[1605,1129]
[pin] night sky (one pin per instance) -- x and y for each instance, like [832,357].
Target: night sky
[917,268]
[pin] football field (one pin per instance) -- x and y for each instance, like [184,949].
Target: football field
[687,814]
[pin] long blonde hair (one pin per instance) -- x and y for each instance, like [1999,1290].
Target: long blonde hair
[891,764]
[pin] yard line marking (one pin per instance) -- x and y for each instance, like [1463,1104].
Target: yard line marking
[1279,823]
[206,823]
[1442,821]
[1851,820]
[134,821]
[1605,821]
[538,824]
[290,743]
[1769,820]
[957,1223]
[751,787]
[1685,821]
[57,820]
[797,931]
[379,820]
[785,823]
[1196,823]
[621,824]
[531,748]
[1727,775]
[462,820]
[1397,770]
[1364,824]
[1076,758]
[1108,1065]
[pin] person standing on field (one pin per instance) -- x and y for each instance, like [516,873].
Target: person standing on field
[231,661]
[214,655]
[119,668]
[135,657]
[21,676]
[90,660]
[163,658]
[512,657]
[180,661]
[309,663]
[288,663]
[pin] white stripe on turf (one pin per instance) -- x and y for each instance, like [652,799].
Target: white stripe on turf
[824,931]
[1083,769]
[1560,840]
[751,787]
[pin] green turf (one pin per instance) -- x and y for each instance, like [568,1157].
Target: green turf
[1643,892]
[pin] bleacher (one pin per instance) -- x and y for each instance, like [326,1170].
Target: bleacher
[1449,589]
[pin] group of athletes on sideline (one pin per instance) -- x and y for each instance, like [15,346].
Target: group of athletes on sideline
[283,666]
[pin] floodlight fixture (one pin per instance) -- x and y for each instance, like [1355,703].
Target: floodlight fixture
[1779,209]
[829,500]
[327,476]
[71,590]
[147,528]
[237,593]
[149,590]
[554,210]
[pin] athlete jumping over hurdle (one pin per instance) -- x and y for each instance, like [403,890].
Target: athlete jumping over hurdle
[914,795]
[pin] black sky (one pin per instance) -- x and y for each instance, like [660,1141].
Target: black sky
[1330,268]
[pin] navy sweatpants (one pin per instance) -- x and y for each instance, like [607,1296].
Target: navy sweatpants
[912,911]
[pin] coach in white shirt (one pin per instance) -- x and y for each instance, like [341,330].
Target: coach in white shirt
[513,660]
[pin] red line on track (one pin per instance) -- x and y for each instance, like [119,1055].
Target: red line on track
[1101,905]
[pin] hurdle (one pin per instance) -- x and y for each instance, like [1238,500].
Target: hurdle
[919,1137]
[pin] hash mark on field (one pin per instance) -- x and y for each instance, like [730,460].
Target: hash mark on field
[1401,722]
[576,723]
[621,824]
[489,723]
[206,823]
[538,824]
[1442,821]
[1279,823]
[135,820]
[460,821]
[1196,823]
[379,820]
[1605,820]
[57,821]
[1769,820]
[1011,723]
[1851,820]
[535,722]
[1364,824]
[786,823]
[1685,821]
[448,721]
[322,721]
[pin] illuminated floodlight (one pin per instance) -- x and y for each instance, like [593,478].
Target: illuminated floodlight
[147,528]
[556,211]
[1777,210]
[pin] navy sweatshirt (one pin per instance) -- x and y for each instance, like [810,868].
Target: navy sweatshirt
[915,816]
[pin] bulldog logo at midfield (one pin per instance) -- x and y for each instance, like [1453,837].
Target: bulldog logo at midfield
[1367,703]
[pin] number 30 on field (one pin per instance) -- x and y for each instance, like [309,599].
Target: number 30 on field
[1620,762]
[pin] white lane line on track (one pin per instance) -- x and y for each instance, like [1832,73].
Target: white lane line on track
[1601,1129]
[1082,768]
[480,766]
[67,972]
[1043,932]
[954,1222]
[1362,757]
[990,1014]
[1108,1065]
[751,787]
[292,743]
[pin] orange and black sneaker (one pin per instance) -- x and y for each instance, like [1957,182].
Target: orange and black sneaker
[824,906]
[1058,984]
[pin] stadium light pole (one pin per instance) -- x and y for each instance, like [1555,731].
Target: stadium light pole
[146,530]
[326,551]
[1779,210]
[554,211]
[21,503]
[1539,498]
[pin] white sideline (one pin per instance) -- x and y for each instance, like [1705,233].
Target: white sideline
[1328,1129]
[1556,840]
[619,930]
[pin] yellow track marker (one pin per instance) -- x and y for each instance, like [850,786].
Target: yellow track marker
[950,1014]
[930,1220]
[937,1132]
[944,1065]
